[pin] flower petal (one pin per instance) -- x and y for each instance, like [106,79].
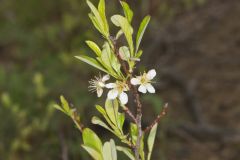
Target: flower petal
[142,89]
[135,81]
[150,88]
[151,74]
[112,94]
[105,78]
[123,98]
[99,92]
[111,85]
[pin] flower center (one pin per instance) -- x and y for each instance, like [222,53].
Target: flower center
[121,86]
[100,84]
[144,79]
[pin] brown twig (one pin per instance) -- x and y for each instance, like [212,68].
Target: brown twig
[64,146]
[137,101]
[139,121]
[76,120]
[126,109]
[157,120]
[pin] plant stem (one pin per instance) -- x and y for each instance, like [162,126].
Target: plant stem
[139,122]
[126,109]
[157,120]
[137,101]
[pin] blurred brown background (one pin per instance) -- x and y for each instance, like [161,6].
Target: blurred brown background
[193,44]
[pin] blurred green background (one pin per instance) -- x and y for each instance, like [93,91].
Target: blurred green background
[193,44]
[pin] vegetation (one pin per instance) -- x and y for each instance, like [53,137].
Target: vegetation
[192,44]
[118,62]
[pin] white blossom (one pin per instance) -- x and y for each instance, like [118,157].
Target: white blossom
[97,84]
[145,81]
[118,89]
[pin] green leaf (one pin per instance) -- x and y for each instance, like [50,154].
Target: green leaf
[123,23]
[109,151]
[97,16]
[134,132]
[92,62]
[127,11]
[59,108]
[94,154]
[65,104]
[141,31]
[119,33]
[111,107]
[109,60]
[113,150]
[141,150]
[101,7]
[115,128]
[121,119]
[90,139]
[94,47]
[124,53]
[95,22]
[106,57]
[126,151]
[103,112]
[151,139]
[98,121]
[139,53]
[109,70]
[101,10]
[116,65]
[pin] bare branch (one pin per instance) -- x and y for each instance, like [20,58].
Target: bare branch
[126,109]
[157,120]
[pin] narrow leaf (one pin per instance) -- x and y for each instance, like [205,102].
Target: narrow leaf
[119,33]
[101,10]
[109,151]
[65,106]
[124,53]
[126,151]
[134,132]
[95,22]
[97,15]
[59,108]
[139,53]
[103,112]
[113,150]
[151,139]
[141,150]
[111,107]
[106,57]
[92,62]
[109,60]
[94,154]
[127,11]
[94,47]
[141,31]
[109,70]
[98,121]
[121,119]
[90,139]
[123,23]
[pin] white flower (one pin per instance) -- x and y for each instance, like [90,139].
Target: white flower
[145,81]
[97,84]
[117,90]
